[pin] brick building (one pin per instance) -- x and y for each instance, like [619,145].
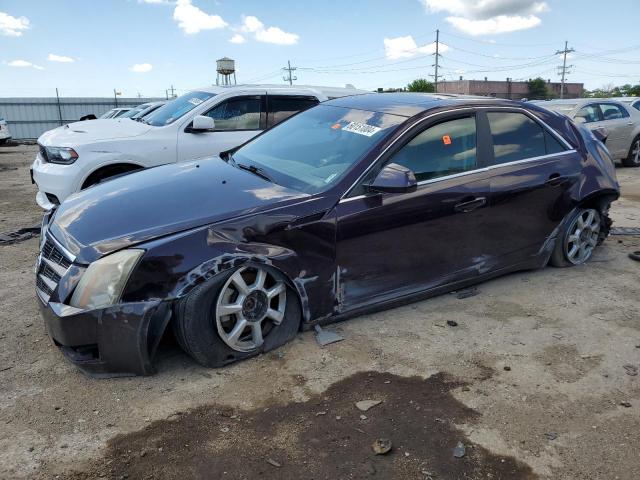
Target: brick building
[506,88]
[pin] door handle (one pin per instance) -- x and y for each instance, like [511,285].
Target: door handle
[629,123]
[470,205]
[555,179]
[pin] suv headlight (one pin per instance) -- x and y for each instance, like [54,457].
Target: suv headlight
[103,282]
[63,155]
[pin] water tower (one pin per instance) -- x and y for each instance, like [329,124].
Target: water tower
[226,68]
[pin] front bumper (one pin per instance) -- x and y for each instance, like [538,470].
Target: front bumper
[116,341]
[55,179]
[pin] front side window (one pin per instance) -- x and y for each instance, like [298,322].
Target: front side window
[636,105]
[313,150]
[242,113]
[515,137]
[589,113]
[443,149]
[612,112]
[172,111]
[282,107]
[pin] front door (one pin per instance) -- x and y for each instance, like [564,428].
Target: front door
[618,123]
[392,244]
[237,120]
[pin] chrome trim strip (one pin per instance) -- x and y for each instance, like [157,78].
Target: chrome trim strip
[570,149]
[67,253]
[44,298]
[50,283]
[55,267]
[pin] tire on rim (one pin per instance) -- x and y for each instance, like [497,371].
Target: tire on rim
[633,159]
[237,315]
[577,239]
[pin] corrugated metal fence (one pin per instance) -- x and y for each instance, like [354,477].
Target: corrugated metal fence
[28,118]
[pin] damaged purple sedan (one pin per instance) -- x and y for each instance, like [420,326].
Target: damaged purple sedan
[357,204]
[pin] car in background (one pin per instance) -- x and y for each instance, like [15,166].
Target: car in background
[620,121]
[136,113]
[198,124]
[356,204]
[633,101]
[5,134]
[114,113]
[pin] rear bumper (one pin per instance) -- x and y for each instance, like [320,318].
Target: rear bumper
[116,341]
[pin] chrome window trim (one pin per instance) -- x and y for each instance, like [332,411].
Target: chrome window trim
[569,148]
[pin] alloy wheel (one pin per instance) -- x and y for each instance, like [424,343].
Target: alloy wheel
[583,236]
[250,304]
[635,152]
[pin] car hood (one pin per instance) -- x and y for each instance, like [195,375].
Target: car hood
[89,131]
[160,201]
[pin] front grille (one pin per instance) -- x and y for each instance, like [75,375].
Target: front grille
[53,263]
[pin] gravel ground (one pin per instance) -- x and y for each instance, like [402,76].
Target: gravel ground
[532,382]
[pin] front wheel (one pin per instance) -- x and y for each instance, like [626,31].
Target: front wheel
[577,239]
[237,315]
[633,159]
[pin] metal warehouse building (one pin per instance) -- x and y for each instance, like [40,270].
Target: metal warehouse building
[28,118]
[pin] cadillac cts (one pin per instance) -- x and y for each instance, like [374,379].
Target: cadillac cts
[359,203]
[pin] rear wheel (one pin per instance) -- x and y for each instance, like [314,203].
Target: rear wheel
[237,315]
[633,159]
[578,238]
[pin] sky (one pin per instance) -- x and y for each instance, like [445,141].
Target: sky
[143,47]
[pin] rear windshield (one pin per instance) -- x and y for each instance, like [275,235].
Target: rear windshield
[172,111]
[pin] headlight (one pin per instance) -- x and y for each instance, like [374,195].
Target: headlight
[63,155]
[103,282]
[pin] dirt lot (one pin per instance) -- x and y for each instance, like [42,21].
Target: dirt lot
[532,382]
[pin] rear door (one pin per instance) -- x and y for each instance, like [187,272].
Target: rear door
[281,107]
[237,120]
[532,170]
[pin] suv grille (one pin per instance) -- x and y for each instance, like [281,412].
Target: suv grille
[52,265]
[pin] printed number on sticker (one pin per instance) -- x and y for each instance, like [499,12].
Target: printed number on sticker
[361,129]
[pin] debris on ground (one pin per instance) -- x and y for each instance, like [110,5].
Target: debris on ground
[326,337]
[452,323]
[459,450]
[365,405]
[635,256]
[631,370]
[381,446]
[624,231]
[467,292]
[507,368]
[271,461]
[625,404]
[19,235]
[551,435]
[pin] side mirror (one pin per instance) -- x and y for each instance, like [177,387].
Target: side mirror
[394,178]
[202,123]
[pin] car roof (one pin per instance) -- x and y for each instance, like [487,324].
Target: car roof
[327,91]
[408,104]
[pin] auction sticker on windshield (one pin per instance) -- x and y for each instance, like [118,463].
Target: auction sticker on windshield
[361,129]
[195,101]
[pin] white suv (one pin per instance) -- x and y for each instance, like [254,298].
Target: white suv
[201,123]
[5,134]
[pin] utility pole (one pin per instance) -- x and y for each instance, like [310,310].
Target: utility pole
[173,95]
[289,69]
[563,70]
[437,55]
[115,97]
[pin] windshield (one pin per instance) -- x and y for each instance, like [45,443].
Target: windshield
[170,112]
[134,111]
[314,149]
[108,114]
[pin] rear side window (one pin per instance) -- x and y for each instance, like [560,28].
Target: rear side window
[636,105]
[282,107]
[611,111]
[590,113]
[443,149]
[242,113]
[517,137]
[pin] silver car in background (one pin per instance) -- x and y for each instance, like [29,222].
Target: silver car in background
[633,101]
[620,121]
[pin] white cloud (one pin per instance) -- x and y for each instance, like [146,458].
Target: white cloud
[192,20]
[141,67]
[489,16]
[251,24]
[406,47]
[24,64]
[238,39]
[59,58]
[156,2]
[13,26]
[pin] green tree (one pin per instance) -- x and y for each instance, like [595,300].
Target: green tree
[421,85]
[538,89]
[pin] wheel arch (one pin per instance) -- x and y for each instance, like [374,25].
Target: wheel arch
[117,167]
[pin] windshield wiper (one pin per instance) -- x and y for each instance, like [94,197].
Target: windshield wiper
[253,169]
